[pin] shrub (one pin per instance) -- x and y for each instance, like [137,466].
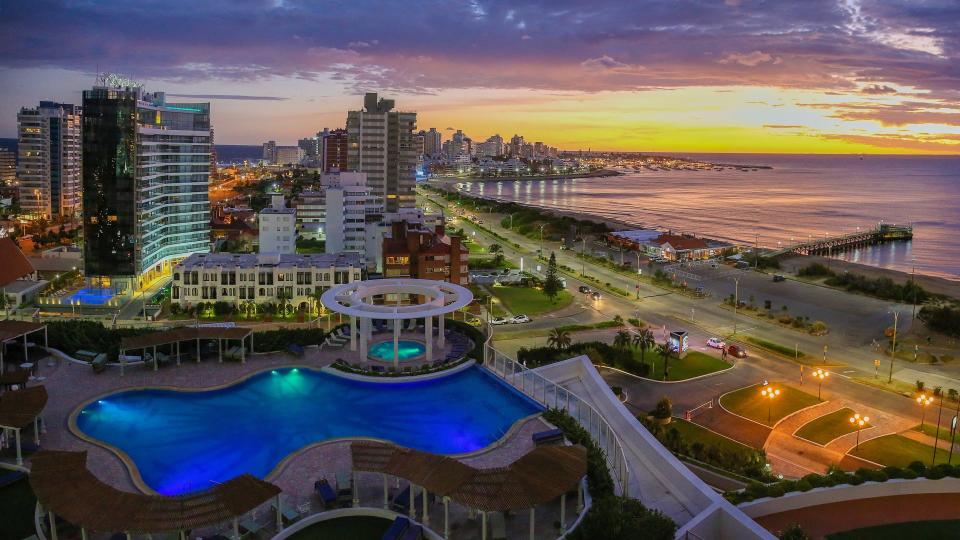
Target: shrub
[278,340]
[621,518]
[815,270]
[943,318]
[792,532]
[599,481]
[664,408]
[917,467]
[804,485]
[73,336]
[818,328]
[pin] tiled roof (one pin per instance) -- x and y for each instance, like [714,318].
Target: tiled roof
[15,264]
[680,242]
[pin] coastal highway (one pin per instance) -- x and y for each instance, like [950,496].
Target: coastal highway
[852,319]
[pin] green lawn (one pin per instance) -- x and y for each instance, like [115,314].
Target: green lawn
[695,363]
[897,451]
[931,430]
[530,301]
[748,402]
[828,427]
[16,509]
[473,247]
[345,528]
[694,433]
[898,531]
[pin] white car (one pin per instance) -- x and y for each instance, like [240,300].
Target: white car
[520,319]
[716,343]
[500,320]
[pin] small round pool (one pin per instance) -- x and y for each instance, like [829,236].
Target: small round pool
[406,349]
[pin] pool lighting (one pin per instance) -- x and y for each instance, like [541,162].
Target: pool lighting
[295,370]
[274,372]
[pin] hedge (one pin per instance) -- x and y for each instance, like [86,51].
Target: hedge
[73,336]
[279,339]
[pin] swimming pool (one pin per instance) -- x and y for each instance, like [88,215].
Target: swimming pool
[185,441]
[90,295]
[406,349]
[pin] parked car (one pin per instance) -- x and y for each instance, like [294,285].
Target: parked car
[737,351]
[596,295]
[520,319]
[716,343]
[584,289]
[778,277]
[499,320]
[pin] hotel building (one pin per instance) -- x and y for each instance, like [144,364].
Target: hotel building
[381,144]
[49,167]
[278,227]
[146,168]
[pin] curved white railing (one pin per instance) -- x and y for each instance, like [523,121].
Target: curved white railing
[552,395]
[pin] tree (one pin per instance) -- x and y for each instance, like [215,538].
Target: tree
[559,339]
[622,340]
[6,302]
[497,251]
[621,518]
[643,340]
[551,284]
[792,532]
[664,351]
[664,408]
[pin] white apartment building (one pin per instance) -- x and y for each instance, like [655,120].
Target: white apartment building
[380,142]
[50,147]
[278,227]
[261,278]
[347,202]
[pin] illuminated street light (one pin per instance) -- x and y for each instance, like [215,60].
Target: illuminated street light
[924,401]
[820,375]
[769,394]
[859,422]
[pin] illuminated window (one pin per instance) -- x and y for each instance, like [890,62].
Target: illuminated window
[111,218]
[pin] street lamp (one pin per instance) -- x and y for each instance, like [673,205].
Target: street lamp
[820,374]
[858,422]
[769,394]
[639,273]
[893,347]
[736,302]
[540,254]
[924,401]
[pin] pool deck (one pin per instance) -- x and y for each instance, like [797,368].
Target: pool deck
[70,385]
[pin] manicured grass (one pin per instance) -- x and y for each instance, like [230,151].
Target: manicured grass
[828,427]
[474,247]
[530,301]
[897,451]
[694,364]
[748,402]
[790,352]
[16,509]
[898,531]
[694,433]
[345,528]
[931,430]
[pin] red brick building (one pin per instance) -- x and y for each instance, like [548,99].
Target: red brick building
[334,150]
[423,253]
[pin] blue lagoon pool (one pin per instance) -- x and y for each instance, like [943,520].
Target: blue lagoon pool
[406,349]
[91,296]
[185,441]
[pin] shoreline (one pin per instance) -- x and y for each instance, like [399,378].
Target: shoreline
[934,284]
[602,173]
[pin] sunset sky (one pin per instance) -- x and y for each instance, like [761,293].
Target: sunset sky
[714,76]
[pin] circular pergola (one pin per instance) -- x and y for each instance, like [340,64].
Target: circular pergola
[356,300]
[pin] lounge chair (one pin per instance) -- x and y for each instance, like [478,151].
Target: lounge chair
[498,527]
[99,364]
[250,526]
[551,436]
[397,529]
[10,477]
[401,502]
[344,489]
[325,493]
[288,513]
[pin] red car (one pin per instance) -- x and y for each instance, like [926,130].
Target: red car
[737,351]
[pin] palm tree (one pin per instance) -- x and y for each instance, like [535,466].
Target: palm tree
[664,351]
[5,303]
[643,339]
[622,339]
[497,251]
[559,339]
[282,301]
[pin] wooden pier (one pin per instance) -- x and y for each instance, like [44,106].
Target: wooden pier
[834,244]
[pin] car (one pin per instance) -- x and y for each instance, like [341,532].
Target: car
[496,321]
[584,289]
[596,295]
[563,248]
[736,351]
[778,277]
[520,319]
[474,321]
[716,343]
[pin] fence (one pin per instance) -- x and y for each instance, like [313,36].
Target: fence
[552,395]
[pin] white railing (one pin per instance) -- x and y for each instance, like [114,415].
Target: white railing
[554,396]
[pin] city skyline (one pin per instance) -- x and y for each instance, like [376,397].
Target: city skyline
[734,76]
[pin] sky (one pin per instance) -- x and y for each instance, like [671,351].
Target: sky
[810,76]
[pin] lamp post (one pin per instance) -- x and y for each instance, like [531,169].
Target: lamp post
[936,438]
[893,347]
[583,257]
[820,375]
[540,253]
[736,302]
[859,422]
[924,401]
[769,394]
[639,273]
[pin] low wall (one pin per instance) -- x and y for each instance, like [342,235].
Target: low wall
[397,379]
[845,492]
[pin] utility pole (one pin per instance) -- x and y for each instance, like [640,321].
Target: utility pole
[893,348]
[639,273]
[583,257]
[736,302]
[913,285]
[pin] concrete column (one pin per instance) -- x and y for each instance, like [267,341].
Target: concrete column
[428,336]
[36,430]
[243,353]
[353,333]
[412,508]
[155,361]
[123,361]
[83,533]
[236,528]
[178,358]
[279,515]
[364,326]
[580,497]
[26,355]
[396,345]
[356,490]
[386,495]
[563,513]
[53,525]
[532,512]
[426,509]
[220,350]
[446,517]
[198,350]
[483,526]
[443,341]
[16,433]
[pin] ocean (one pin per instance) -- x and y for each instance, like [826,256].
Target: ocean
[802,196]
